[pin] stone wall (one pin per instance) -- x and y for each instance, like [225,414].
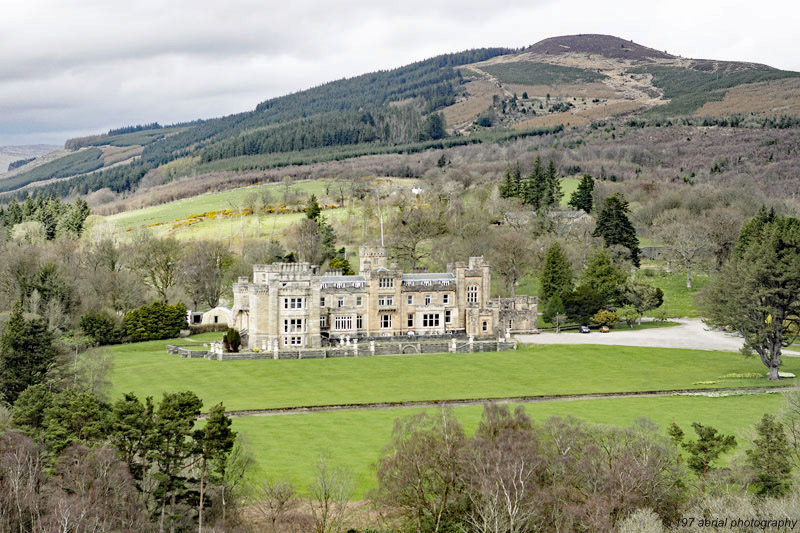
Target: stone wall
[365,349]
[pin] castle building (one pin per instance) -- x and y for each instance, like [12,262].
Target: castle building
[291,304]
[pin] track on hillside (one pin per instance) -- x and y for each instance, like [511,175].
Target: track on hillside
[502,399]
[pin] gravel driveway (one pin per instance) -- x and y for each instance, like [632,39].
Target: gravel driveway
[690,334]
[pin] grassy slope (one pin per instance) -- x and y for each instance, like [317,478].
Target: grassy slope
[287,447]
[147,369]
[231,199]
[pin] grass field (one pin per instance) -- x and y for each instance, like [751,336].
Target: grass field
[147,370]
[678,300]
[231,199]
[287,447]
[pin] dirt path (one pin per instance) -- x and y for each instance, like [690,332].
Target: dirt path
[691,334]
[503,399]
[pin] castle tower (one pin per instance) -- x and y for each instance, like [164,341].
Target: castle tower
[371,258]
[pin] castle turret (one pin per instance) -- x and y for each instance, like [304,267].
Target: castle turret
[371,258]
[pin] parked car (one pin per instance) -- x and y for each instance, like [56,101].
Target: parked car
[605,329]
[584,329]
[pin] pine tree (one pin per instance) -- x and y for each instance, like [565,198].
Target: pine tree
[582,197]
[511,182]
[770,458]
[605,278]
[533,190]
[556,274]
[26,354]
[553,192]
[614,226]
[313,210]
[709,445]
[751,230]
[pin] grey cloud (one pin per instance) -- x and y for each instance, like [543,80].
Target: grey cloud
[86,65]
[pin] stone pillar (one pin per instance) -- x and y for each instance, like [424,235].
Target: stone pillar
[372,347]
[508,334]
[275,350]
[264,346]
[472,343]
[355,347]
[453,345]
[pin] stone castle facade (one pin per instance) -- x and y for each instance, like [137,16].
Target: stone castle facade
[292,305]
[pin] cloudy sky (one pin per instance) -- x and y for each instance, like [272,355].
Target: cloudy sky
[74,67]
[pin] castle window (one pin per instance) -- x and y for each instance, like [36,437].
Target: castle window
[385,300]
[386,321]
[427,299]
[472,294]
[430,320]
[340,301]
[323,321]
[322,302]
[359,322]
[386,283]
[410,320]
[293,341]
[292,303]
[448,318]
[445,298]
[342,323]
[510,324]
[293,325]
[485,326]
[410,299]
[358,301]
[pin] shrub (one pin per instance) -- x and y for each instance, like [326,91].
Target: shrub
[155,322]
[603,318]
[629,314]
[102,327]
[232,340]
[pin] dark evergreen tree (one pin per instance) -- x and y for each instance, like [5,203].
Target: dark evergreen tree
[552,187]
[26,354]
[313,210]
[753,228]
[605,278]
[556,273]
[583,197]
[582,303]
[709,445]
[511,185]
[771,459]
[614,226]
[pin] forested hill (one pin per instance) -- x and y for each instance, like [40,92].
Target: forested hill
[482,95]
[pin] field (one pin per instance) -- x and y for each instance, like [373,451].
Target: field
[780,97]
[147,370]
[287,446]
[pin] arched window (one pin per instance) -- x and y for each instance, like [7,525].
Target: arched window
[472,294]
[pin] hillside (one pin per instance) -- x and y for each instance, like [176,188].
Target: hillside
[471,97]
[11,154]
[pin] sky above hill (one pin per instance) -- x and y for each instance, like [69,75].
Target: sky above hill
[75,67]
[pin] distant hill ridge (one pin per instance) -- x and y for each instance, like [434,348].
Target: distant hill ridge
[480,95]
[605,45]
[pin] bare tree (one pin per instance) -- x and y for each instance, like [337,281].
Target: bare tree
[156,261]
[419,473]
[685,238]
[274,501]
[329,495]
[511,256]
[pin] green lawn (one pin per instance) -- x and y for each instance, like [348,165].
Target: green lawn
[287,447]
[678,300]
[568,186]
[146,369]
